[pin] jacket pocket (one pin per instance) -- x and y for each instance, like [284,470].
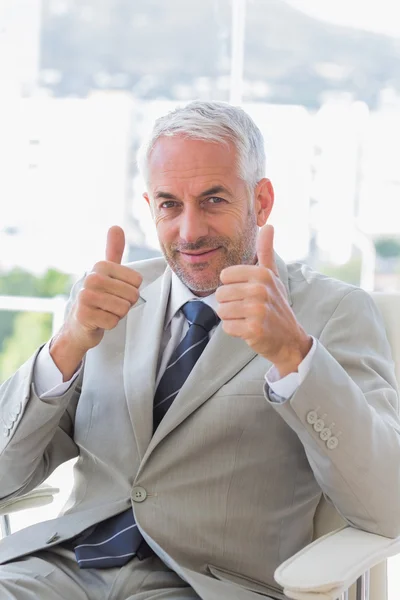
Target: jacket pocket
[274,593]
[242,387]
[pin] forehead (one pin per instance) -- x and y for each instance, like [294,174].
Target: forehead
[182,158]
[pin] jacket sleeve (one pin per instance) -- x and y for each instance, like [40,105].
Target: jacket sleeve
[346,415]
[36,435]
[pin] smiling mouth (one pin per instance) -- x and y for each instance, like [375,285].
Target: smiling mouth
[199,256]
[201,252]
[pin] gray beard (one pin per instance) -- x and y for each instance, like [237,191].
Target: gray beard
[238,254]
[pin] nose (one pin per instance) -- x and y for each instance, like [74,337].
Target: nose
[193,224]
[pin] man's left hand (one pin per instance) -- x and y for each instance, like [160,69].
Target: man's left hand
[253,305]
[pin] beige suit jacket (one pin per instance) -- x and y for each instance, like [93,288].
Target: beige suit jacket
[231,479]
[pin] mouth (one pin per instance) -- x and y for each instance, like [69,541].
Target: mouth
[199,256]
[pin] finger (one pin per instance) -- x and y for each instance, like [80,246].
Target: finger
[265,248]
[113,286]
[244,274]
[105,302]
[119,272]
[95,318]
[241,291]
[242,310]
[242,328]
[115,244]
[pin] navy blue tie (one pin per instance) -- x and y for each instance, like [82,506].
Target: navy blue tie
[201,319]
[115,541]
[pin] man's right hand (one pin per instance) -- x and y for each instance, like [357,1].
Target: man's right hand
[108,293]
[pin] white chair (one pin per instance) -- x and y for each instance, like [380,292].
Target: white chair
[345,557]
[40,496]
[340,556]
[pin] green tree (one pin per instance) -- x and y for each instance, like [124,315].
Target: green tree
[388,247]
[350,272]
[30,331]
[22,333]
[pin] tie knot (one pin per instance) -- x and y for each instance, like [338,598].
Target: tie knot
[200,313]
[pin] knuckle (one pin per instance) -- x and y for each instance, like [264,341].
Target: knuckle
[223,293]
[134,277]
[83,315]
[222,277]
[123,308]
[101,267]
[134,297]
[88,279]
[111,321]
[222,313]
[219,295]
[85,296]
[94,279]
[225,274]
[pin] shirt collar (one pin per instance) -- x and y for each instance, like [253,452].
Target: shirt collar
[180,294]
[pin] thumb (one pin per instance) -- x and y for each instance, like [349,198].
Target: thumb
[115,244]
[265,248]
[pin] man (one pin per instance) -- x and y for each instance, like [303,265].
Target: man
[211,396]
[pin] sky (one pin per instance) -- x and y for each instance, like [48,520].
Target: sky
[381,16]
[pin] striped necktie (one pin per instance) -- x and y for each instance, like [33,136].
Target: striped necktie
[115,541]
[201,320]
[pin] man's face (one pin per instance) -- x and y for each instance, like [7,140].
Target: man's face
[205,217]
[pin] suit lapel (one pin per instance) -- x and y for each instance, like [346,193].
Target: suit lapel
[145,325]
[223,357]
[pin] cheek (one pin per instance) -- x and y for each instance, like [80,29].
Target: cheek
[230,222]
[167,232]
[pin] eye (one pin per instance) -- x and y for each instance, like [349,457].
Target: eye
[215,200]
[168,204]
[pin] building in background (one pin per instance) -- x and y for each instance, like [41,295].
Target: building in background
[20,26]
[379,209]
[67,178]
[287,132]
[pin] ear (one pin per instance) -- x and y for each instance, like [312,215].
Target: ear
[146,197]
[263,200]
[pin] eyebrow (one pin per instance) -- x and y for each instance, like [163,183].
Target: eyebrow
[216,189]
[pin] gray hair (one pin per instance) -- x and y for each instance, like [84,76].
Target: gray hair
[217,122]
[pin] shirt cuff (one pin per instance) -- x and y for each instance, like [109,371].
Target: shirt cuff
[284,388]
[47,378]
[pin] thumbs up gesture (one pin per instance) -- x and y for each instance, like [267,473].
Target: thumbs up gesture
[253,305]
[107,294]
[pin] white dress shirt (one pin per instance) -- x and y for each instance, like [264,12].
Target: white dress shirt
[48,379]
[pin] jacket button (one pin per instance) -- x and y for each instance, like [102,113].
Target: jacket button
[332,443]
[312,417]
[319,425]
[325,434]
[139,494]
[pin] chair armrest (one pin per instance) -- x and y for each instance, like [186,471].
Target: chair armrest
[43,494]
[330,565]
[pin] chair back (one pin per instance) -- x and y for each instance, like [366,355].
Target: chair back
[326,517]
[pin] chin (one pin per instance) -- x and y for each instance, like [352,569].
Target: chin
[204,285]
